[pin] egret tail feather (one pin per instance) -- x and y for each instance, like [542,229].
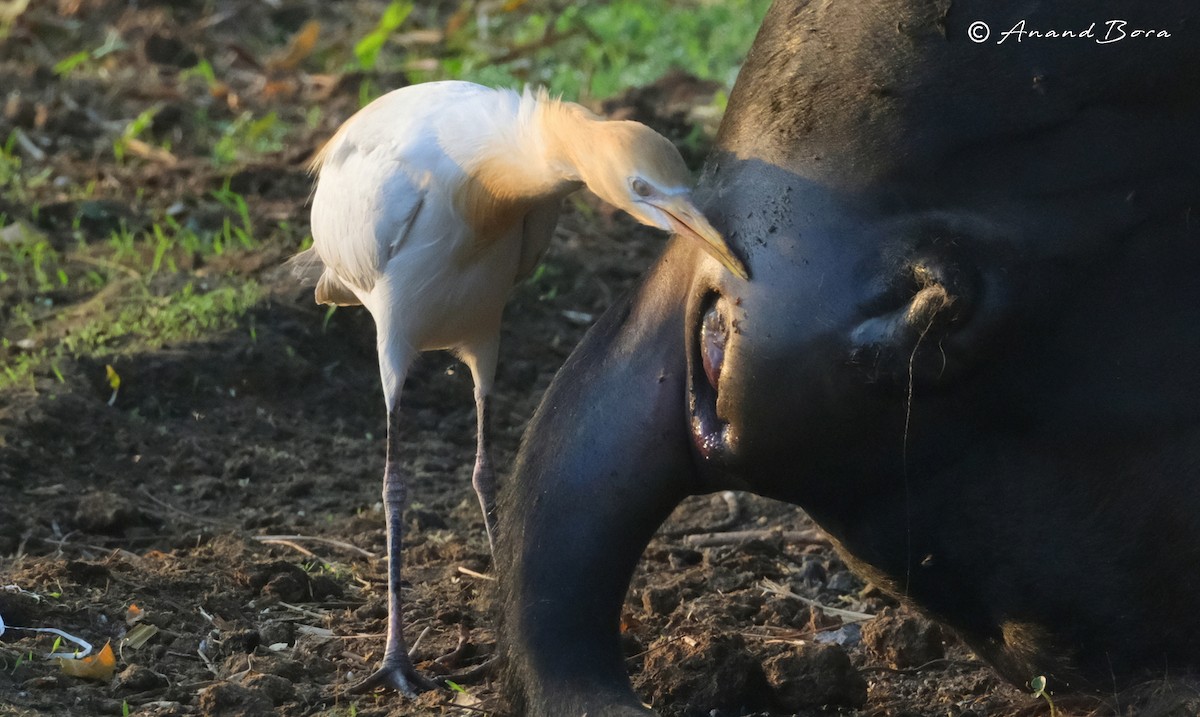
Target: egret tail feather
[306,267]
[331,290]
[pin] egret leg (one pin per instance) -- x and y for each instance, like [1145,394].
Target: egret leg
[481,358]
[484,476]
[396,672]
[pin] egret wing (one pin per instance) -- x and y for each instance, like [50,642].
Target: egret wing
[364,209]
[308,268]
[538,231]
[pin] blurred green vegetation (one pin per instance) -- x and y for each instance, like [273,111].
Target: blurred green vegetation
[119,227]
[595,51]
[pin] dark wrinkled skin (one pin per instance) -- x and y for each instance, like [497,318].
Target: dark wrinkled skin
[969,349]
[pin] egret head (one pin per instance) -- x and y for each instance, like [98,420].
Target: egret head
[638,170]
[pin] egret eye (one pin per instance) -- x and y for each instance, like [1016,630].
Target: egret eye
[640,187]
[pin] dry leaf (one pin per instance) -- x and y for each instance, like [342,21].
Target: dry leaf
[133,614]
[114,380]
[100,666]
[20,233]
[47,490]
[462,699]
[10,10]
[138,636]
[457,21]
[300,47]
[148,151]
[279,89]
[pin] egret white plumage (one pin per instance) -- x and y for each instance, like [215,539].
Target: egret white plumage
[431,203]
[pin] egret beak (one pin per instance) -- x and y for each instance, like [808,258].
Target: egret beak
[688,221]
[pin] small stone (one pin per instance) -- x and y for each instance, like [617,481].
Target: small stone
[274,687]
[240,641]
[812,572]
[107,513]
[321,587]
[704,670]
[425,520]
[816,620]
[288,669]
[281,580]
[846,636]
[374,610]
[165,50]
[684,557]
[814,675]
[87,573]
[843,582]
[902,640]
[660,600]
[226,699]
[276,632]
[137,678]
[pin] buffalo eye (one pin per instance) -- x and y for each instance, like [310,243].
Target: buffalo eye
[714,334]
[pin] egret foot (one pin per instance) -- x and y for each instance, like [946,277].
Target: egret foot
[396,673]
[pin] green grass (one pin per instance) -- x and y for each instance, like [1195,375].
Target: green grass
[368,48]
[597,50]
[248,136]
[587,51]
[139,321]
[16,181]
[134,292]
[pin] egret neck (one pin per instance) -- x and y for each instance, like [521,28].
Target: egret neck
[522,160]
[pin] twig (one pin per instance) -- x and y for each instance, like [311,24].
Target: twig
[35,152]
[549,39]
[103,264]
[732,515]
[20,591]
[62,542]
[207,662]
[770,586]
[302,611]
[478,576]
[483,669]
[733,507]
[469,708]
[412,651]
[318,539]
[294,546]
[652,648]
[451,659]
[180,511]
[86,647]
[737,537]
[943,662]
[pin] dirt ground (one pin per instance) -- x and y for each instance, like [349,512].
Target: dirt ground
[167,499]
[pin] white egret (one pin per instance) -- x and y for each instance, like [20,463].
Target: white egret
[431,203]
